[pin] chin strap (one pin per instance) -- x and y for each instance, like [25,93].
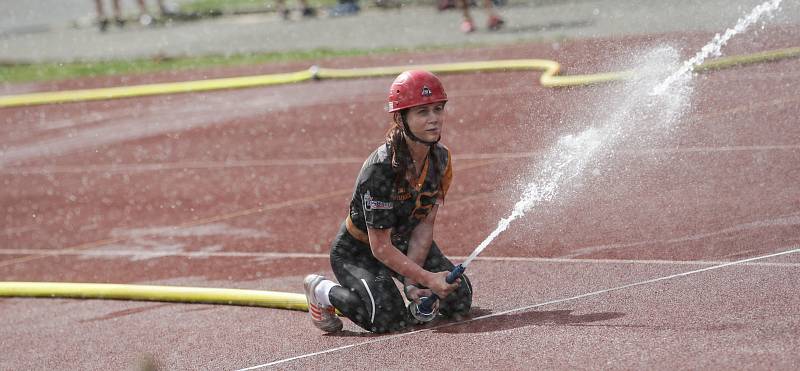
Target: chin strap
[411,135]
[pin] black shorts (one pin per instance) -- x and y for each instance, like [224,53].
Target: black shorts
[369,296]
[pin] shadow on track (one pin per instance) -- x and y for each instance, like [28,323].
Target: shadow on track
[497,323]
[518,320]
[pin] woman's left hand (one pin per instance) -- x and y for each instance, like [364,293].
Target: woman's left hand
[415,293]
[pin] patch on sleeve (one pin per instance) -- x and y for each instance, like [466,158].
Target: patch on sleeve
[372,204]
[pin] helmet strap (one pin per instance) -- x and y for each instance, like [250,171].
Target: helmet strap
[409,134]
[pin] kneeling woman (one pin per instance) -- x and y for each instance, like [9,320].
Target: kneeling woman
[389,230]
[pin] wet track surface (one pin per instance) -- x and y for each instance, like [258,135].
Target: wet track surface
[211,189]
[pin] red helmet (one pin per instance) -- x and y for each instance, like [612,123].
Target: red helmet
[415,88]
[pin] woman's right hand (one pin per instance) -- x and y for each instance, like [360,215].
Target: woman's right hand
[438,284]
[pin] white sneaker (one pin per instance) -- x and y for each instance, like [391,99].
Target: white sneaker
[324,317]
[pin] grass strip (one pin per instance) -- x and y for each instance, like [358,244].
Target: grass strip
[18,73]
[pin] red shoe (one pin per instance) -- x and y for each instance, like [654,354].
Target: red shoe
[467,27]
[495,23]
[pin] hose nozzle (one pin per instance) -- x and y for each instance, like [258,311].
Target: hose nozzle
[428,306]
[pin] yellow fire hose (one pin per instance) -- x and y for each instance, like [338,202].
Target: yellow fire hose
[253,298]
[548,78]
[271,299]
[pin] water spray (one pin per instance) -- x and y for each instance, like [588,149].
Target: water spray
[714,48]
[559,167]
[572,153]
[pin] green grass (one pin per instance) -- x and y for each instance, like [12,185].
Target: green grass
[18,73]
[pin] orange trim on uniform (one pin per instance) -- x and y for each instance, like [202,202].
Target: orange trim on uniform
[422,174]
[355,232]
[448,176]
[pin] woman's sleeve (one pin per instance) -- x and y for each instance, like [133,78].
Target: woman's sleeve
[376,198]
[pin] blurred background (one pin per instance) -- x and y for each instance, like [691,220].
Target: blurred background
[56,39]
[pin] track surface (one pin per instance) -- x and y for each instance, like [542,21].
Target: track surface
[245,189]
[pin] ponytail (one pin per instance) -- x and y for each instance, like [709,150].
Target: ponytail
[401,156]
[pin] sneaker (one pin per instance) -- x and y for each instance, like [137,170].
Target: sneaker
[102,23]
[495,23]
[467,27]
[324,317]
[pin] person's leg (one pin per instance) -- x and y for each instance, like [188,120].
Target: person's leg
[142,7]
[118,13]
[98,5]
[102,20]
[467,25]
[370,299]
[144,16]
[494,22]
[459,301]
[368,295]
[308,11]
[162,8]
[117,8]
[280,7]
[489,6]
[465,9]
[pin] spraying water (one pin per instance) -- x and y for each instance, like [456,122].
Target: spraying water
[714,48]
[639,101]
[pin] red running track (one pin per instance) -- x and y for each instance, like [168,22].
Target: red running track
[223,189]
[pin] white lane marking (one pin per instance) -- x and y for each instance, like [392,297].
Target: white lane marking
[793,250]
[781,221]
[126,168]
[618,261]
[188,254]
[290,255]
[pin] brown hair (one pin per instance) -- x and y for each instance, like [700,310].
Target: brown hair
[401,155]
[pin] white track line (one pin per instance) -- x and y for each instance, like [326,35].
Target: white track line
[157,254]
[131,168]
[793,250]
[291,255]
